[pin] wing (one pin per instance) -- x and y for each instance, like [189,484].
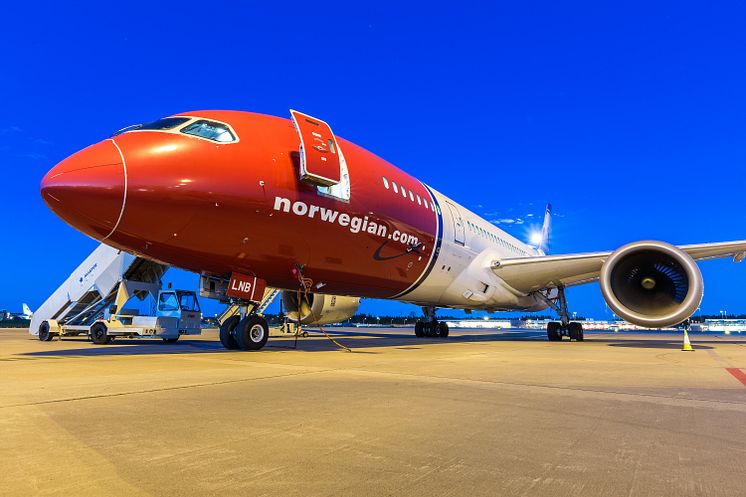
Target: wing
[529,274]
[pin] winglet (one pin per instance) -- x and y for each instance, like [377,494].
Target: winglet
[546,228]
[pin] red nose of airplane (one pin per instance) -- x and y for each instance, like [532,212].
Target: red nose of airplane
[87,190]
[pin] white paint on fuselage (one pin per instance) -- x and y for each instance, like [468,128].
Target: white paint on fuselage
[462,276]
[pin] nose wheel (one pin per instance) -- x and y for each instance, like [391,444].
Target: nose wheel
[252,332]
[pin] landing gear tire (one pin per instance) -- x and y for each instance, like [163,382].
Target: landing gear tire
[44,334]
[252,332]
[171,340]
[575,330]
[226,332]
[99,334]
[442,329]
[554,331]
[431,329]
[419,329]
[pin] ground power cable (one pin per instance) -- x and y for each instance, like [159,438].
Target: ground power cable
[304,287]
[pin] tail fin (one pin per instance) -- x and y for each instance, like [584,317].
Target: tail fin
[26,310]
[546,229]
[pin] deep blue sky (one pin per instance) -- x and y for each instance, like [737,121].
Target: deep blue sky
[629,118]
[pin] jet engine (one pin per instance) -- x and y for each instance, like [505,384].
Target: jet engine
[651,284]
[319,309]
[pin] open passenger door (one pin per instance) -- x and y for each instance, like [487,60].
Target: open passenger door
[319,155]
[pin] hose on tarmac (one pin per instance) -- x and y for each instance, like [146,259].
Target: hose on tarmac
[305,290]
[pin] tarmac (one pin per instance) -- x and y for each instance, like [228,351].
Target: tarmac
[484,412]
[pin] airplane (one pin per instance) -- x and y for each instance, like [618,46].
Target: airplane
[24,314]
[250,201]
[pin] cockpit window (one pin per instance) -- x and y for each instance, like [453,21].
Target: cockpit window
[128,128]
[161,124]
[165,123]
[211,130]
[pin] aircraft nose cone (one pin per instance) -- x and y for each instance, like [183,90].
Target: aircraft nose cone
[87,190]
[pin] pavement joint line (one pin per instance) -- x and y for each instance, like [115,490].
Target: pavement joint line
[154,390]
[640,397]
[719,358]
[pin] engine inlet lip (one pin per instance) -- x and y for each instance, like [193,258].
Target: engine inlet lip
[686,308]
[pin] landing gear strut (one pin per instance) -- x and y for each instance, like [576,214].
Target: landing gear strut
[430,327]
[556,330]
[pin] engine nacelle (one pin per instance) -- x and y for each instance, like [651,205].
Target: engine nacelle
[323,309]
[651,284]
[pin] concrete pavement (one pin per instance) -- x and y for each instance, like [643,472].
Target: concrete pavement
[481,413]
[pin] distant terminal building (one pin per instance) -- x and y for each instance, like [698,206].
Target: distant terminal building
[482,323]
[541,324]
[723,325]
[588,324]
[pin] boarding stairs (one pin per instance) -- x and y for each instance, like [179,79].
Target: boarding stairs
[107,276]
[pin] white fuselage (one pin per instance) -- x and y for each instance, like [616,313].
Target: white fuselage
[461,276]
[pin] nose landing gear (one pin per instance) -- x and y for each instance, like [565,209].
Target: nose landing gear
[430,326]
[244,331]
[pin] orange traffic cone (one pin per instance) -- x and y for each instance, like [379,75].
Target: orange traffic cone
[687,344]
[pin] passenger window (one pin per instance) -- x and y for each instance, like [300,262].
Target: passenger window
[385,182]
[419,200]
[396,190]
[403,192]
[211,130]
[411,197]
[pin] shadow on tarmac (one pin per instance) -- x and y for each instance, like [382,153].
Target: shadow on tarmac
[404,340]
[315,343]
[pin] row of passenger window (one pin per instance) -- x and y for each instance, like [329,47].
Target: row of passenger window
[413,197]
[494,238]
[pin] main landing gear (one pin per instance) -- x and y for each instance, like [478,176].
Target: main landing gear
[247,331]
[563,328]
[430,327]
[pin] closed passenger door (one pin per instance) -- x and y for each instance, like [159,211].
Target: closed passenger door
[459,232]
